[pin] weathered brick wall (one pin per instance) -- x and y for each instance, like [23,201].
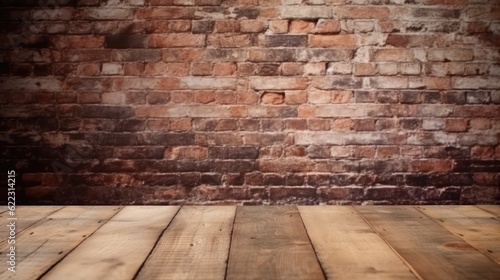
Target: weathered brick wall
[251,101]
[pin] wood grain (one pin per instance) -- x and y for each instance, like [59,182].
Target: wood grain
[45,244]
[494,209]
[348,248]
[194,246]
[477,227]
[271,243]
[117,249]
[26,216]
[432,251]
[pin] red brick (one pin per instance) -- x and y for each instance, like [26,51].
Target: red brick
[323,41]
[252,26]
[408,41]
[365,69]
[133,69]
[364,151]
[483,152]
[176,40]
[456,125]
[397,55]
[224,69]
[89,69]
[227,26]
[231,41]
[441,83]
[164,12]
[201,69]
[166,69]
[301,26]
[431,165]
[342,124]
[480,124]
[292,69]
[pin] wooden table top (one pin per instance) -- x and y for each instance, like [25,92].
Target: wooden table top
[253,242]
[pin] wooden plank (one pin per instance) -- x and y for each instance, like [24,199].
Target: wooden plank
[270,242]
[194,246]
[494,209]
[117,249]
[479,228]
[348,248]
[44,245]
[432,251]
[26,216]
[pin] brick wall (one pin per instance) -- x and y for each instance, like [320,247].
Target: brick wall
[251,101]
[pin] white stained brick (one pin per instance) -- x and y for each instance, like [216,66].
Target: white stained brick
[389,82]
[208,83]
[314,69]
[339,68]
[318,96]
[318,138]
[291,2]
[410,68]
[113,98]
[112,69]
[469,82]
[420,55]
[136,2]
[433,124]
[108,13]
[433,110]
[387,68]
[359,26]
[307,12]
[340,110]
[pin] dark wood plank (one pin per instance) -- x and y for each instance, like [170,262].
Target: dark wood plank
[432,251]
[117,249]
[348,248]
[42,246]
[479,228]
[271,243]
[194,246]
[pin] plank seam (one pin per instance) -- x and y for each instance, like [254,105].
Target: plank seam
[36,223]
[230,243]
[312,245]
[461,237]
[388,244]
[83,240]
[156,243]
[486,210]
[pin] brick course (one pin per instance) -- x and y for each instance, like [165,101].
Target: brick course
[251,102]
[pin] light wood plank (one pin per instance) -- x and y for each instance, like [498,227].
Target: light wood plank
[194,246]
[270,242]
[479,228]
[432,251]
[348,248]
[494,209]
[117,249]
[26,216]
[44,245]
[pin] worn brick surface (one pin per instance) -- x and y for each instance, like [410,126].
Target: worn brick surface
[251,102]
